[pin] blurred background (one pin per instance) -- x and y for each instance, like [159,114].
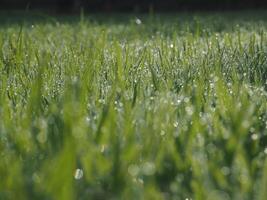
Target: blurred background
[130,5]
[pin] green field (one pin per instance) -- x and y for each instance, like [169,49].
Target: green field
[170,106]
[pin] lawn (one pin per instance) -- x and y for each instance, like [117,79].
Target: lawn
[169,106]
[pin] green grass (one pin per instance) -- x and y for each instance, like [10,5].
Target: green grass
[100,107]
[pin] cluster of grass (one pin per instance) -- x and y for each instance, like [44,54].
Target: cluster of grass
[161,107]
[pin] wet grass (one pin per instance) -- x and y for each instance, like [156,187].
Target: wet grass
[120,107]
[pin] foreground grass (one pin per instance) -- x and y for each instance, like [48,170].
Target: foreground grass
[168,107]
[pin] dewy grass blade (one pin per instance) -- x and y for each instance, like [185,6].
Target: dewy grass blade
[162,106]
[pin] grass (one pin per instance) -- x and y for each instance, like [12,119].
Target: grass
[106,107]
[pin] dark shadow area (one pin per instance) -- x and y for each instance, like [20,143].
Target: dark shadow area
[72,6]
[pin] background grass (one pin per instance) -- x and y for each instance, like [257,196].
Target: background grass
[133,107]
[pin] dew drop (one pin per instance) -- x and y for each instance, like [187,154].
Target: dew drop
[149,168]
[254,136]
[78,174]
[175,124]
[138,21]
[186,99]
[133,170]
[87,119]
[162,132]
[189,110]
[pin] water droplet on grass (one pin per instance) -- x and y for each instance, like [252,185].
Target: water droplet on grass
[175,124]
[254,136]
[212,85]
[189,110]
[78,174]
[133,170]
[162,132]
[138,21]
[252,129]
[87,119]
[148,168]
[186,99]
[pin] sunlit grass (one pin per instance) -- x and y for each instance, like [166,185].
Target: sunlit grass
[134,107]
